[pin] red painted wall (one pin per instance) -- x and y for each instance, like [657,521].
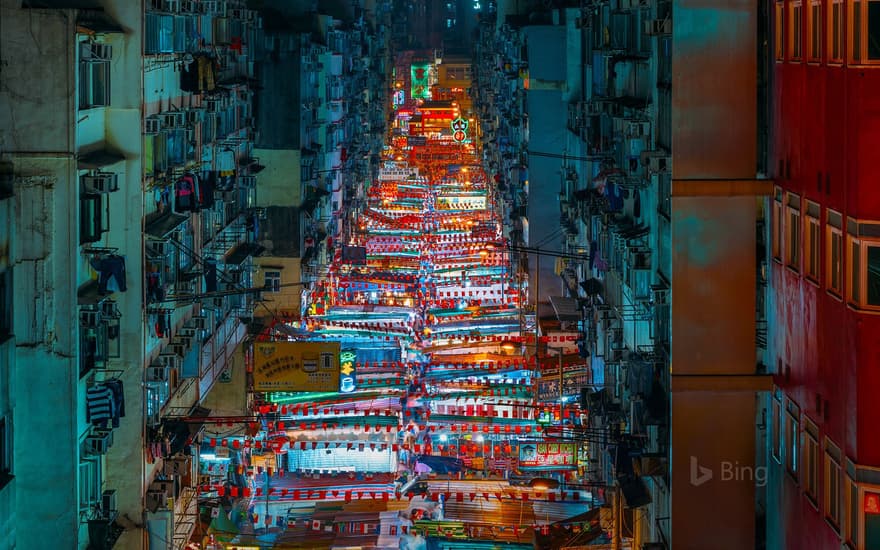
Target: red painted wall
[826,126]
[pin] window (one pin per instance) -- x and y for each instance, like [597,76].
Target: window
[272,281]
[158,33]
[792,431]
[834,254]
[835,32]
[832,484]
[811,241]
[5,451]
[814,31]
[795,31]
[852,512]
[93,217]
[89,485]
[863,263]
[94,75]
[810,461]
[778,441]
[872,33]
[853,269]
[6,304]
[872,274]
[793,229]
[777,224]
[864,17]
[778,34]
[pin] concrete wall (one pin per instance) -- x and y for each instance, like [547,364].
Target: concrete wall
[713,273]
[279,182]
[285,303]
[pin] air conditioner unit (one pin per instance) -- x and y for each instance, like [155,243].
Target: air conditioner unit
[638,129]
[248,182]
[157,373]
[213,7]
[152,125]
[658,27]
[171,6]
[108,503]
[194,115]
[170,360]
[101,182]
[214,104]
[187,331]
[93,51]
[99,442]
[655,161]
[175,119]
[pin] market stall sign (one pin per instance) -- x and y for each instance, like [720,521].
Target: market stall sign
[296,366]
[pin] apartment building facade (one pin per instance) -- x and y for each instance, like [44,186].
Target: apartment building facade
[127,148]
[659,225]
[824,272]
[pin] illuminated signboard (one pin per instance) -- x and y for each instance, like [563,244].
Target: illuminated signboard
[548,456]
[296,366]
[419,87]
[459,129]
[347,380]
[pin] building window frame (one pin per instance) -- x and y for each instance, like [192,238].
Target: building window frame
[833,476]
[812,241]
[93,75]
[796,31]
[810,461]
[863,49]
[6,454]
[792,440]
[90,484]
[778,437]
[272,280]
[834,253]
[863,264]
[778,228]
[94,217]
[7,303]
[835,32]
[814,32]
[792,231]
[852,511]
[779,31]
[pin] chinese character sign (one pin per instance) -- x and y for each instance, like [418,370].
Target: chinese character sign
[296,366]
[547,456]
[419,87]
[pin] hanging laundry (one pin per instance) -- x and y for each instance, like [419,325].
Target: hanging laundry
[111,273]
[105,404]
[197,73]
[118,400]
[155,292]
[186,194]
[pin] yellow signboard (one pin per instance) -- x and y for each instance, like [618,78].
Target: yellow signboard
[296,366]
